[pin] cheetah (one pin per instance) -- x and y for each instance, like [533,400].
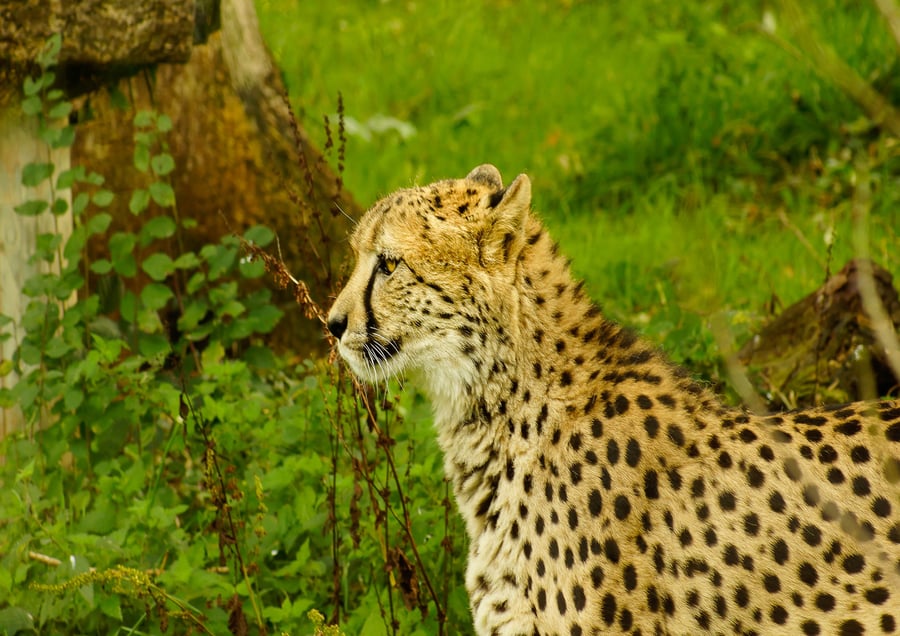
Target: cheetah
[604,490]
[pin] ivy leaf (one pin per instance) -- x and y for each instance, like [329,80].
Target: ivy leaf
[34,173]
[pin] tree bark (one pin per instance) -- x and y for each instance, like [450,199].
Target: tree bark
[99,37]
[240,160]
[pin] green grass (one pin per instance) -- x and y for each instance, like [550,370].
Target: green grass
[666,141]
[688,166]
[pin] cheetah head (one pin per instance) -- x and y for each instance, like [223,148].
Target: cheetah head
[433,265]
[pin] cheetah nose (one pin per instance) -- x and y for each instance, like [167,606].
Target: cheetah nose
[337,326]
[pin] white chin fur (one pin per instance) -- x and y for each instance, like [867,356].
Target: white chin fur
[366,371]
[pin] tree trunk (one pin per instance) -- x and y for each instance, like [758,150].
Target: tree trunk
[240,160]
[99,37]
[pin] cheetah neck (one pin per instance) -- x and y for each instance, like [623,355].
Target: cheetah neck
[552,357]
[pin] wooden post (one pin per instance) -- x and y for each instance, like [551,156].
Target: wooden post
[19,146]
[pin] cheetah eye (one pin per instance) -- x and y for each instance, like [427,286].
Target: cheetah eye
[387,265]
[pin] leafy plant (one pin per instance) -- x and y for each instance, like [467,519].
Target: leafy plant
[174,472]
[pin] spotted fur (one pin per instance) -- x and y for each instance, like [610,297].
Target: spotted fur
[603,490]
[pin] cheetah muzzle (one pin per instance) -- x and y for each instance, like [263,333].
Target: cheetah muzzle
[603,490]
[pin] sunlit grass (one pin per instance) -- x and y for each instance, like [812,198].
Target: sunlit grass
[669,144]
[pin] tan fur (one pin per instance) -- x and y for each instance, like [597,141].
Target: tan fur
[603,490]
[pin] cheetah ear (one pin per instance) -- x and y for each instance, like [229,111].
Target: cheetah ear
[503,235]
[486,174]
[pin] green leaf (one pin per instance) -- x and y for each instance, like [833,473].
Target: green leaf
[162,164]
[69,177]
[125,265]
[151,345]
[220,258]
[195,282]
[101,266]
[49,135]
[56,348]
[102,198]
[142,157]
[80,203]
[50,52]
[188,260]
[260,235]
[34,173]
[31,208]
[46,244]
[158,266]
[73,397]
[31,86]
[162,193]
[32,106]
[155,296]
[121,245]
[231,308]
[263,319]
[111,605]
[14,620]
[75,244]
[60,206]
[140,199]
[143,118]
[95,178]
[193,314]
[164,123]
[158,227]
[99,223]
[65,138]
[60,110]
[128,306]
[252,269]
